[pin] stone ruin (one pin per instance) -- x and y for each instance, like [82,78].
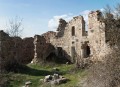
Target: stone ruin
[70,43]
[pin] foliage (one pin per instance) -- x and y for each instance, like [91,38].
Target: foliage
[106,73]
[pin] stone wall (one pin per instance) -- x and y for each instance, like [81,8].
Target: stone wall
[14,50]
[48,35]
[17,49]
[42,49]
[96,34]
[28,50]
[70,42]
[77,43]
[6,51]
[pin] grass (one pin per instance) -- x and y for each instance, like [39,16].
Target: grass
[34,73]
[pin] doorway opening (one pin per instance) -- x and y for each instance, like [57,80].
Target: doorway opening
[87,51]
[73,52]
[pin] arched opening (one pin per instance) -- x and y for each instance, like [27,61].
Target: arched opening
[85,51]
[58,56]
[51,57]
[60,51]
[73,30]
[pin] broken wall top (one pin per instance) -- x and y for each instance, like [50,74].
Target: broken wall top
[95,15]
[76,19]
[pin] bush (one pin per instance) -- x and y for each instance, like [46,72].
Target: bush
[106,73]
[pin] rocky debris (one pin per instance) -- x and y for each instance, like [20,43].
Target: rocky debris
[48,78]
[58,81]
[67,63]
[28,83]
[55,79]
[55,76]
[54,82]
[31,62]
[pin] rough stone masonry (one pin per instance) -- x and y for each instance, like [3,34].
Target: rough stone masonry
[71,42]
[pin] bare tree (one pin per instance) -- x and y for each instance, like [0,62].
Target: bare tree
[112,23]
[14,28]
[107,12]
[117,11]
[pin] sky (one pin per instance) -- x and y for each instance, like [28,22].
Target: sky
[40,16]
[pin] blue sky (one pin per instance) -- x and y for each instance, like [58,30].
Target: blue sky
[40,16]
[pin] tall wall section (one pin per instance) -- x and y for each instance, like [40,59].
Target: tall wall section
[6,53]
[96,34]
[70,42]
[28,50]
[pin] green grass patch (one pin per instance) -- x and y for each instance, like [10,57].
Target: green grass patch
[34,73]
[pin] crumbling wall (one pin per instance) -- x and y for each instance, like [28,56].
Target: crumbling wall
[23,49]
[17,49]
[74,33]
[61,27]
[6,51]
[48,35]
[96,34]
[14,51]
[42,49]
[28,50]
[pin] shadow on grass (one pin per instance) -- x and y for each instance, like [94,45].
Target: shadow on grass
[23,69]
[33,72]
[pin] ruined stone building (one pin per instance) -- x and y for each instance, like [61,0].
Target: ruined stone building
[75,41]
[71,42]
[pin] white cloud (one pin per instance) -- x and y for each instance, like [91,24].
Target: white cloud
[85,15]
[53,23]
[86,12]
[30,29]
[102,9]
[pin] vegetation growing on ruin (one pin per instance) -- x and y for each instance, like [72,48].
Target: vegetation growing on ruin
[106,73]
